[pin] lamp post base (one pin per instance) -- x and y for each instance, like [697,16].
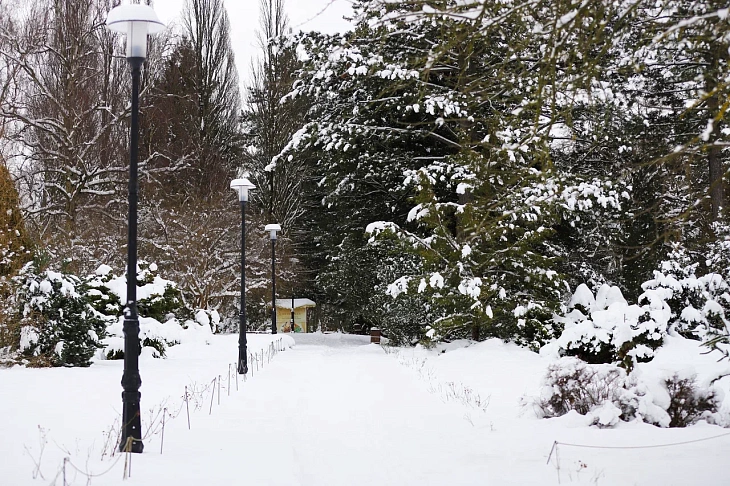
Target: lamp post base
[131,439]
[242,367]
[136,446]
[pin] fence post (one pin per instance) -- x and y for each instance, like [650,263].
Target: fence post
[187,406]
[212,396]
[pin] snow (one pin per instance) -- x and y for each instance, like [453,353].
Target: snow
[333,409]
[287,303]
[607,415]
[584,297]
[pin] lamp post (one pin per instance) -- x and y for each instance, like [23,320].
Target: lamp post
[272,229]
[242,186]
[136,21]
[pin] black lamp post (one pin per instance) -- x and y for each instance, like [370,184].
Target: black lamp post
[272,229]
[242,186]
[136,21]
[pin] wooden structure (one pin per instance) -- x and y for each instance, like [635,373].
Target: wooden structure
[296,308]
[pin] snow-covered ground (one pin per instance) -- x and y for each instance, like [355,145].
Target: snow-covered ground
[335,410]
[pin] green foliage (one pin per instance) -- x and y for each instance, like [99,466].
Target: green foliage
[160,307]
[57,324]
[15,243]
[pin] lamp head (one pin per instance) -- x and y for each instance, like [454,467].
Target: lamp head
[242,186]
[135,20]
[272,229]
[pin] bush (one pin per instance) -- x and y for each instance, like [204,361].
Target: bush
[687,403]
[57,326]
[575,385]
[606,329]
[164,318]
[156,297]
[608,394]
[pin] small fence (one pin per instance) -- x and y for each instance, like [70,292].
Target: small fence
[194,396]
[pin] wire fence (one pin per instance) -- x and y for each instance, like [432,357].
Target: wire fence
[194,396]
[554,451]
[648,446]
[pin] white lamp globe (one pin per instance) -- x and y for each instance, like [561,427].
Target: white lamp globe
[137,21]
[272,229]
[242,185]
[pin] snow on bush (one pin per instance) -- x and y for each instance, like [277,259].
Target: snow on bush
[57,324]
[676,301]
[700,304]
[59,319]
[607,394]
[606,329]
[164,319]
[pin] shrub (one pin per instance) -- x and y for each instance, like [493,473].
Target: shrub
[687,403]
[606,329]
[57,325]
[156,297]
[575,385]
[608,394]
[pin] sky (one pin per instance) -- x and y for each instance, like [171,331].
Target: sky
[320,15]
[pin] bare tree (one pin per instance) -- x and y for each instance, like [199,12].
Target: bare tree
[269,123]
[67,124]
[216,91]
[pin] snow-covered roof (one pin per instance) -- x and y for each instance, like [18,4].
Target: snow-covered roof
[286,303]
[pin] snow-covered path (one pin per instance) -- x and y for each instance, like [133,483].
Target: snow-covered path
[327,412]
[332,410]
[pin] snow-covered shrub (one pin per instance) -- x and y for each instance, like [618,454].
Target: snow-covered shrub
[57,324]
[155,336]
[606,329]
[164,319]
[607,394]
[209,318]
[157,297]
[700,305]
[572,384]
[687,401]
[100,296]
[676,300]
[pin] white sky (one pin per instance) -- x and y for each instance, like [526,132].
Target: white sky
[320,15]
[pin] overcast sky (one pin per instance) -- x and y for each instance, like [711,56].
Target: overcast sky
[320,15]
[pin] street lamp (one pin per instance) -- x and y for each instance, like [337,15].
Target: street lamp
[136,21]
[272,229]
[242,186]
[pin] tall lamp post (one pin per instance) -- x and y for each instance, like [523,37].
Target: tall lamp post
[136,21]
[272,229]
[242,186]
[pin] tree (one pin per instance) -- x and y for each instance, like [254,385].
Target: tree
[430,121]
[214,79]
[192,140]
[269,123]
[67,125]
